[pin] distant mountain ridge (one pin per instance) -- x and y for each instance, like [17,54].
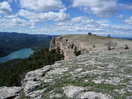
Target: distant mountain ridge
[127,38]
[12,41]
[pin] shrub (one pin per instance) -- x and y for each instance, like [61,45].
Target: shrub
[12,72]
[77,53]
[94,46]
[109,36]
[89,33]
[72,46]
[126,47]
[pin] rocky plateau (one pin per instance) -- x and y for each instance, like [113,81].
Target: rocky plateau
[96,73]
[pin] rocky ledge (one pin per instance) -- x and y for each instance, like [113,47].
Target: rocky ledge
[73,45]
[97,75]
[9,92]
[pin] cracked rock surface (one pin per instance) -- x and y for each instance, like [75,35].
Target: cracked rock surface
[9,92]
[106,75]
[99,74]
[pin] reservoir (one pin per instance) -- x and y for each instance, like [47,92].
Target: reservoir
[23,53]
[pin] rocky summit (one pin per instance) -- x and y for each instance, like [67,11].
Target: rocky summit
[73,45]
[95,74]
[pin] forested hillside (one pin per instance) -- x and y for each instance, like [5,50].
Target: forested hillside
[10,42]
[12,72]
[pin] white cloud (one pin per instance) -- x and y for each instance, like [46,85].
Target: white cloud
[42,5]
[125,6]
[5,8]
[13,22]
[98,7]
[128,21]
[18,21]
[56,16]
[81,19]
[120,16]
[78,24]
[84,24]
[81,24]
[13,1]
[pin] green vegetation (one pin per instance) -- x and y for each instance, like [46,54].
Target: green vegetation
[12,72]
[10,42]
[109,36]
[126,47]
[89,33]
[77,53]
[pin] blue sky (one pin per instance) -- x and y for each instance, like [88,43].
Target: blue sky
[67,16]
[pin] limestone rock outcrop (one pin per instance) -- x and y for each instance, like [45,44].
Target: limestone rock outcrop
[99,74]
[32,82]
[66,47]
[74,45]
[82,93]
[9,92]
[86,76]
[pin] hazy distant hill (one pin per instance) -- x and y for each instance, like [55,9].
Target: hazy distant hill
[127,38]
[10,42]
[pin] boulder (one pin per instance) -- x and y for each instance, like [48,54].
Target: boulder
[93,95]
[36,94]
[37,74]
[9,92]
[30,87]
[83,93]
[72,91]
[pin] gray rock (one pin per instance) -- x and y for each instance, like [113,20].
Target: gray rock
[93,95]
[30,87]
[66,47]
[82,93]
[9,92]
[32,82]
[72,91]
[58,71]
[36,94]
[52,96]
[34,75]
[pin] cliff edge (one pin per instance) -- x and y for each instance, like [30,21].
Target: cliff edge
[100,73]
[74,45]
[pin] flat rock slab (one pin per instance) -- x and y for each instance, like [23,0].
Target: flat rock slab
[82,93]
[93,95]
[9,92]
[71,91]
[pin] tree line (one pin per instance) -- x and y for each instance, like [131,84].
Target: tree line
[12,72]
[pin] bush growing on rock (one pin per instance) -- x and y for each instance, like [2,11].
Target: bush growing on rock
[126,47]
[89,33]
[94,46]
[72,46]
[109,36]
[77,52]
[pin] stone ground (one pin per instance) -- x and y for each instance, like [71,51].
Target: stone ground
[98,75]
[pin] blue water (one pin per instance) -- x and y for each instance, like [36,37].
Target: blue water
[23,53]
